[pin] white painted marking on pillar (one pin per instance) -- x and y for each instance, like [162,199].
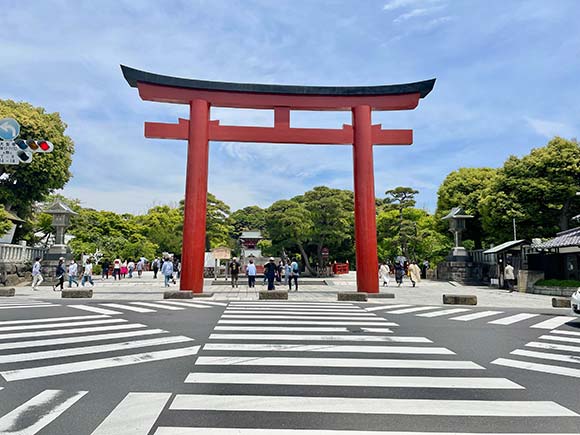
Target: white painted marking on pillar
[352,337]
[557,331]
[484,408]
[165,430]
[130,308]
[294,317]
[70,331]
[51,319]
[553,323]
[337,362]
[547,355]
[60,325]
[296,329]
[411,310]
[183,304]
[375,322]
[327,348]
[230,312]
[94,309]
[60,369]
[80,339]
[387,307]
[86,350]
[443,312]
[135,415]
[478,315]
[535,367]
[352,380]
[559,338]
[161,306]
[19,421]
[513,319]
[551,346]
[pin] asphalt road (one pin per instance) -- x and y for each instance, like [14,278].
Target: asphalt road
[279,368]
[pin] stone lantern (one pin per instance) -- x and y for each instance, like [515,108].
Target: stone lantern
[457,218]
[61,214]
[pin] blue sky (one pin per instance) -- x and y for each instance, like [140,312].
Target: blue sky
[508,79]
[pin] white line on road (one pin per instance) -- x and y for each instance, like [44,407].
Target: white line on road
[244,347]
[60,369]
[478,315]
[547,355]
[350,405]
[5,307]
[352,380]
[411,310]
[302,309]
[130,308]
[165,430]
[300,313]
[557,331]
[554,322]
[51,319]
[375,322]
[443,312]
[70,331]
[551,346]
[86,350]
[559,338]
[352,337]
[161,306]
[32,416]
[337,362]
[183,304]
[294,317]
[219,304]
[296,329]
[95,309]
[386,307]
[513,319]
[135,415]
[535,367]
[302,304]
[60,325]
[80,339]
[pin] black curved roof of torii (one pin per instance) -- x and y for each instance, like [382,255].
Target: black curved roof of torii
[133,76]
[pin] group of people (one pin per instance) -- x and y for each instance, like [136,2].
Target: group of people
[400,270]
[287,270]
[122,268]
[73,271]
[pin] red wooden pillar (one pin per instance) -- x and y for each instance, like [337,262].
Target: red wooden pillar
[193,252]
[364,202]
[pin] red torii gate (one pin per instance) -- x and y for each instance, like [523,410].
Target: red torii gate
[199,130]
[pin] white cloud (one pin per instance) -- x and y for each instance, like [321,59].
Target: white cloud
[398,4]
[549,129]
[412,14]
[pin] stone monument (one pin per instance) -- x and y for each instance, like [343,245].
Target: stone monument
[61,214]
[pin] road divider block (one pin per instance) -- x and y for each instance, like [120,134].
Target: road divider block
[460,299]
[273,294]
[77,293]
[381,295]
[178,294]
[561,303]
[353,296]
[4,292]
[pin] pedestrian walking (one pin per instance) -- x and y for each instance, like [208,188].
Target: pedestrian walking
[167,271]
[234,271]
[36,274]
[509,276]
[251,272]
[88,273]
[140,265]
[414,273]
[131,268]
[279,270]
[155,267]
[117,269]
[294,274]
[287,271]
[105,270]
[73,271]
[270,273]
[124,269]
[59,275]
[399,272]
[384,272]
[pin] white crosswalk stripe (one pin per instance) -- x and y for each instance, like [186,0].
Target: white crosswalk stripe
[50,319]
[145,307]
[326,348]
[60,325]
[370,322]
[158,306]
[296,337]
[513,319]
[478,315]
[14,306]
[163,430]
[299,313]
[410,310]
[296,317]
[387,307]
[183,304]
[130,308]
[554,322]
[296,329]
[95,309]
[443,312]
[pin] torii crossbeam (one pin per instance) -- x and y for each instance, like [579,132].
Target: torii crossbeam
[200,95]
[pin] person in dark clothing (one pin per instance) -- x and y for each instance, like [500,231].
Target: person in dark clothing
[59,274]
[234,271]
[270,273]
[399,272]
[105,271]
[155,267]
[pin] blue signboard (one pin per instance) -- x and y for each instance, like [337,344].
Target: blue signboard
[9,129]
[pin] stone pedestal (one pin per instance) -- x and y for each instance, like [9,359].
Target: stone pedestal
[50,261]
[461,270]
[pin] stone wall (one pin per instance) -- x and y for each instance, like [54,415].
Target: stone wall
[464,272]
[565,292]
[527,278]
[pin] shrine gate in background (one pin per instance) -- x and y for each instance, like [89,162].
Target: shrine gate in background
[200,95]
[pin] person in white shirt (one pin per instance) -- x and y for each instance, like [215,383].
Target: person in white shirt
[384,274]
[251,272]
[73,271]
[36,274]
[88,273]
[117,269]
[509,277]
[131,267]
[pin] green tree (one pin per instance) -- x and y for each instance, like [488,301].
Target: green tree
[246,219]
[465,188]
[537,190]
[5,224]
[399,199]
[21,186]
[163,226]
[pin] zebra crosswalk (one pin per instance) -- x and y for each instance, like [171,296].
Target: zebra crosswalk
[491,317]
[560,348]
[14,304]
[112,309]
[38,348]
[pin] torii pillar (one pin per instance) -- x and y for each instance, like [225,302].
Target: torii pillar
[199,130]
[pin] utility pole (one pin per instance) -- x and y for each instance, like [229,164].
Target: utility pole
[515,233]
